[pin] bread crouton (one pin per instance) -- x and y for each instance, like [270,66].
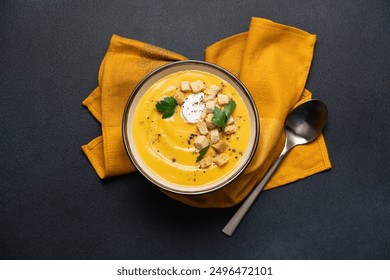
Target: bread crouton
[221,159]
[197,86]
[209,122]
[202,127]
[223,99]
[203,115]
[230,129]
[206,162]
[214,136]
[208,98]
[210,106]
[213,90]
[201,142]
[179,97]
[185,86]
[220,146]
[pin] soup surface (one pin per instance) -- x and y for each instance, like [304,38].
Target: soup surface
[178,148]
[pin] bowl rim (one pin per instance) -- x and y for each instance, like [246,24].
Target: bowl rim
[160,69]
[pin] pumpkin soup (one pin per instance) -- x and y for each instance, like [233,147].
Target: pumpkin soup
[191,128]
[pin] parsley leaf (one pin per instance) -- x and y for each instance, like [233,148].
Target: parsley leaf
[202,153]
[167,107]
[220,117]
[229,108]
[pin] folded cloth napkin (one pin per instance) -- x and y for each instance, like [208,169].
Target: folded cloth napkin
[271,59]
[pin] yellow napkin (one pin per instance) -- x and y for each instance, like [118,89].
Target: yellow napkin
[271,59]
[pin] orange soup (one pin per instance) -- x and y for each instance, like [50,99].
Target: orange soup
[191,128]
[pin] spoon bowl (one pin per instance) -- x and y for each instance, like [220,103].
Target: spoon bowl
[305,122]
[303,125]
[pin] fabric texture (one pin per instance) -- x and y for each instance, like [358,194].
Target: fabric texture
[273,62]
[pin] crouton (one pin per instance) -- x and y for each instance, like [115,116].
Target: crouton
[202,127]
[203,115]
[230,120]
[208,98]
[221,159]
[179,97]
[185,86]
[220,146]
[201,142]
[209,122]
[197,86]
[223,99]
[206,162]
[210,106]
[213,90]
[230,129]
[214,136]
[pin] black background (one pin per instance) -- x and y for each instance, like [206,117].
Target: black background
[52,204]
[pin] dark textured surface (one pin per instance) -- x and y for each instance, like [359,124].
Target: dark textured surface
[52,204]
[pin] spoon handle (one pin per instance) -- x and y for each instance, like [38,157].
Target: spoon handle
[239,215]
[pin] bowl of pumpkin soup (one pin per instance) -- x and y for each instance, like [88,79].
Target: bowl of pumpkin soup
[190,127]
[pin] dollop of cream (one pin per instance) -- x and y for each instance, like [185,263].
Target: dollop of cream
[192,108]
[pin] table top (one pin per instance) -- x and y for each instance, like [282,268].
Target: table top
[52,204]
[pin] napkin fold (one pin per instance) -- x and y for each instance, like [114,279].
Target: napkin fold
[271,59]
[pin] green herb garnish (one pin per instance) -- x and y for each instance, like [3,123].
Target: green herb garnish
[167,107]
[202,153]
[220,117]
[229,108]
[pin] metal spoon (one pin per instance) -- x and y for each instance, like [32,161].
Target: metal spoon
[303,125]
